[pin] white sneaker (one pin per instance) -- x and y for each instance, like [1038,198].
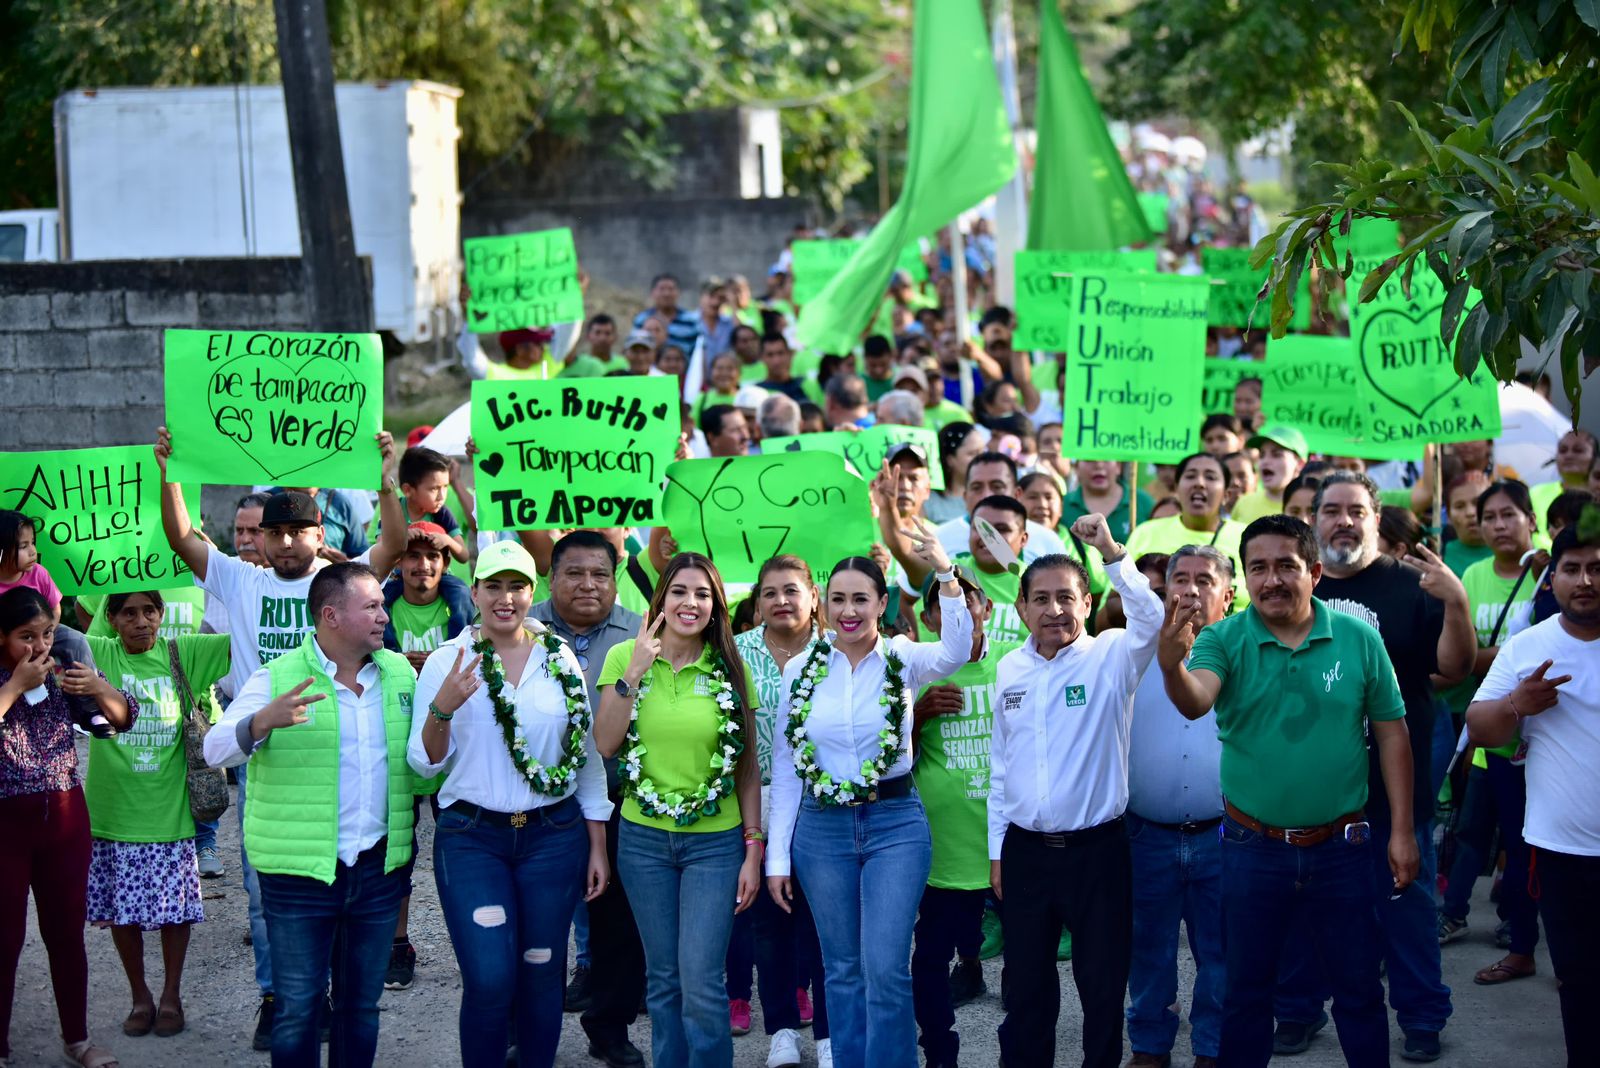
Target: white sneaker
[785,1050]
[210,862]
[825,1053]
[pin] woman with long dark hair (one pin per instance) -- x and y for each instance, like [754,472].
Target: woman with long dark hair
[846,817]
[676,709]
[46,841]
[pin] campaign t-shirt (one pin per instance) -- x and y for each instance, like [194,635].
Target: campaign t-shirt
[1458,555]
[1388,596]
[1488,593]
[267,614]
[183,611]
[1563,741]
[419,628]
[136,784]
[952,751]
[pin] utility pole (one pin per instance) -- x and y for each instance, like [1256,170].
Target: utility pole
[338,297]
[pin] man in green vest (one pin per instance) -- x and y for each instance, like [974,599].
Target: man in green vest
[328,818]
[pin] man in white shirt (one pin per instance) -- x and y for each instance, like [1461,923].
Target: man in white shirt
[1058,787]
[329,816]
[1174,807]
[995,473]
[1546,684]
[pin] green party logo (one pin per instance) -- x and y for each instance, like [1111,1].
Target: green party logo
[1075,696]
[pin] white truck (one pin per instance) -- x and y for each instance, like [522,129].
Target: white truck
[206,171]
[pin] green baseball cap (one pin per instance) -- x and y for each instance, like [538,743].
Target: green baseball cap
[505,556]
[1279,434]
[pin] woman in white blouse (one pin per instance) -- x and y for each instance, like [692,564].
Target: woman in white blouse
[521,830]
[844,806]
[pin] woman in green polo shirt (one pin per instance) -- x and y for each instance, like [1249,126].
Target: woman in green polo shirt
[676,709]
[143,873]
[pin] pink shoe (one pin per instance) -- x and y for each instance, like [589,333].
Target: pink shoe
[739,1016]
[802,1001]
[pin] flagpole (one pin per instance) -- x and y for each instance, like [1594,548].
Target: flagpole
[958,277]
[1011,202]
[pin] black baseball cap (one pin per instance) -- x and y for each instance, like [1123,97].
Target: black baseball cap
[290,508]
[901,449]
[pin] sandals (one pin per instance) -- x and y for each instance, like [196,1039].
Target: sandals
[139,1022]
[86,1054]
[1502,972]
[169,1022]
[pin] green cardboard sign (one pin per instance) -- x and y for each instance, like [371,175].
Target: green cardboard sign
[1219,378]
[97,517]
[286,409]
[815,262]
[741,511]
[1233,302]
[1155,212]
[1044,290]
[864,451]
[588,452]
[1312,383]
[522,280]
[1134,367]
[1408,381]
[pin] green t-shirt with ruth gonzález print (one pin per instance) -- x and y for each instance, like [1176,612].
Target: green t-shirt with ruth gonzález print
[137,783]
[419,628]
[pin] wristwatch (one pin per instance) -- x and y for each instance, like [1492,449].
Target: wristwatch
[624,691]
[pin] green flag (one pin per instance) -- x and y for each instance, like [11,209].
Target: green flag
[1082,198]
[960,153]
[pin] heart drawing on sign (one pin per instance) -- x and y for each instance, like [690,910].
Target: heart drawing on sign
[479,315]
[491,464]
[659,411]
[1403,359]
[286,419]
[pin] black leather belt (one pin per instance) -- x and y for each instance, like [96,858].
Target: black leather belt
[1062,839]
[479,814]
[886,790]
[1188,826]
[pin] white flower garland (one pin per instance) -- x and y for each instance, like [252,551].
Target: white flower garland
[824,787]
[556,779]
[706,798]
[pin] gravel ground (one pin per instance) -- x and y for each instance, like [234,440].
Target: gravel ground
[1492,1027]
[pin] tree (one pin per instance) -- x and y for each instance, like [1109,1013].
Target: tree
[527,67]
[1503,202]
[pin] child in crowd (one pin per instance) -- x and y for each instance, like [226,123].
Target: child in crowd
[19,560]
[424,483]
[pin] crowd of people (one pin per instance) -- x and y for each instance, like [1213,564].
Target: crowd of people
[1064,709]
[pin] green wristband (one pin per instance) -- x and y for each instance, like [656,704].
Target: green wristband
[433,710]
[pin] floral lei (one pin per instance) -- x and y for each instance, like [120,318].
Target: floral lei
[823,786]
[705,799]
[552,780]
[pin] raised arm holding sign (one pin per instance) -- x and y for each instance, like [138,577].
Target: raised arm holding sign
[522,280]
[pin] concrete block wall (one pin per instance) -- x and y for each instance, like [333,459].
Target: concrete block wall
[81,346]
[81,343]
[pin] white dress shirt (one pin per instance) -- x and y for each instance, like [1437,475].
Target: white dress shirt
[846,717]
[363,748]
[477,766]
[1059,748]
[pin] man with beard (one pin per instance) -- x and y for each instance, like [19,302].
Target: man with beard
[1294,684]
[1421,611]
[1545,684]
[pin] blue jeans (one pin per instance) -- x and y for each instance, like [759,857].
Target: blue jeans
[205,834]
[741,963]
[1508,783]
[350,923]
[580,934]
[1272,893]
[864,869]
[1177,878]
[507,895]
[787,960]
[260,944]
[681,887]
[1444,746]
[1410,929]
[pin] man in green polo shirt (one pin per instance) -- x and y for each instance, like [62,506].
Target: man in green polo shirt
[1294,685]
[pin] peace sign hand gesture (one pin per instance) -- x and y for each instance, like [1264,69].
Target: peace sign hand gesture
[1536,693]
[1178,632]
[1437,581]
[285,710]
[646,647]
[460,684]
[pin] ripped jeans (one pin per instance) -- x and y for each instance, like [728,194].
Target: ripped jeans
[508,894]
